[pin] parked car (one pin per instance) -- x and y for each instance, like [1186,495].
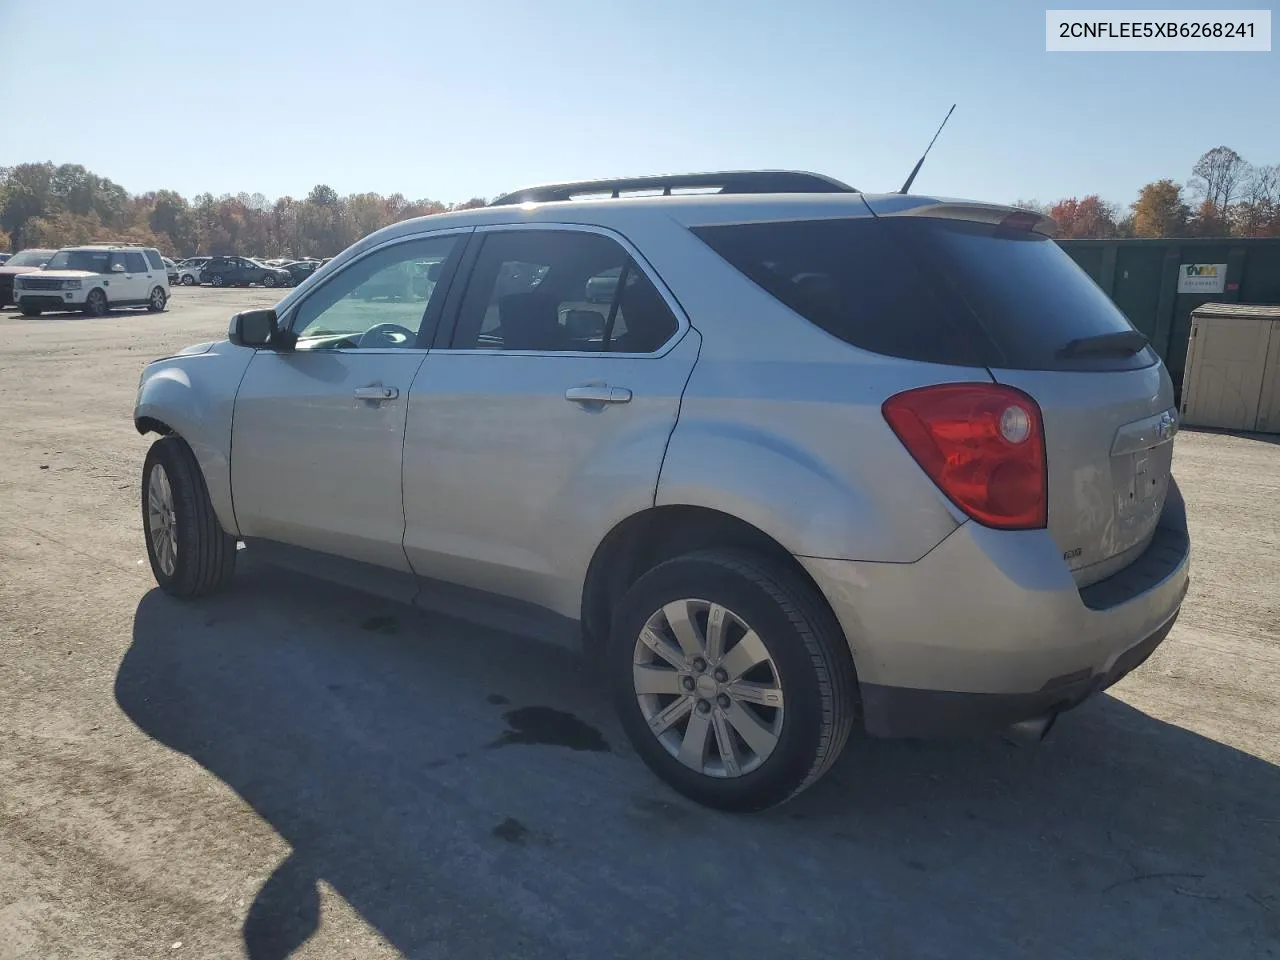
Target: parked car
[241,272]
[189,270]
[24,261]
[171,268]
[4,258]
[299,270]
[827,460]
[94,279]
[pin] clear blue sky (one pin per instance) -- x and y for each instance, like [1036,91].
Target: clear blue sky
[449,100]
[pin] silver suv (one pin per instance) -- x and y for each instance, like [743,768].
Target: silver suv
[792,459]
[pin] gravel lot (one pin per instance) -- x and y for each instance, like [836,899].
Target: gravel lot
[296,770]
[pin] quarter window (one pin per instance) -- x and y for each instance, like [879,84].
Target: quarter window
[156,261]
[377,301]
[560,290]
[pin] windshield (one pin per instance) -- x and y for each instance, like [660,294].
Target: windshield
[29,258]
[94,261]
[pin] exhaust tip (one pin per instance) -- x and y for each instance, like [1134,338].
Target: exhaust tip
[1027,732]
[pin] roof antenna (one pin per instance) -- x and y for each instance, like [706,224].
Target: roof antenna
[920,163]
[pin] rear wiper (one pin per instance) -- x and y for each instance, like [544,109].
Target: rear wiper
[1125,343]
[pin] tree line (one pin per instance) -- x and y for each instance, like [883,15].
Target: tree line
[58,205]
[48,205]
[1226,196]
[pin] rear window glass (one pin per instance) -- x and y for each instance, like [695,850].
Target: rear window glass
[941,291]
[1030,298]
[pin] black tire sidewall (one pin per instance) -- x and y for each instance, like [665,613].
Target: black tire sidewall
[792,761]
[151,303]
[168,453]
[90,303]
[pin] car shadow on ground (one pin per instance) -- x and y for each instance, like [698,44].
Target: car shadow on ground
[470,795]
[1243,434]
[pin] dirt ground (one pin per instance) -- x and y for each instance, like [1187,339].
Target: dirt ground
[296,770]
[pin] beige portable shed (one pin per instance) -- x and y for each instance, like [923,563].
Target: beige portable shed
[1232,378]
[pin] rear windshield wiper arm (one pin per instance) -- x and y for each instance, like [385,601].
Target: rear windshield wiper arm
[1124,343]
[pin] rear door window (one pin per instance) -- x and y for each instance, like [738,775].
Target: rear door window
[156,261]
[935,290]
[559,291]
[136,263]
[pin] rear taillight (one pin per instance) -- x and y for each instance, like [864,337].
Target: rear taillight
[982,444]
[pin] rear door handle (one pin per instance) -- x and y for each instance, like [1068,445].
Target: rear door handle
[376,393]
[598,393]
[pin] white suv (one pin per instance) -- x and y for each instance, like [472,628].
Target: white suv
[94,279]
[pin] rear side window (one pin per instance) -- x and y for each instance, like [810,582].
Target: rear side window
[844,276]
[156,261]
[942,291]
[135,263]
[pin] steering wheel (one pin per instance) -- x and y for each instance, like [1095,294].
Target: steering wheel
[387,335]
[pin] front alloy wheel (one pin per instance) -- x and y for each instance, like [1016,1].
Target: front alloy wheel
[190,554]
[95,305]
[269,280]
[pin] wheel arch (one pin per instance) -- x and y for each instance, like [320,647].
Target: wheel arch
[640,542]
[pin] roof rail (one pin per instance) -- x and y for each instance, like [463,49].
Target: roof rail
[113,243]
[727,181]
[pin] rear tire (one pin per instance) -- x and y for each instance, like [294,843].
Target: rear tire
[188,280]
[158,299]
[190,554]
[268,281]
[809,674]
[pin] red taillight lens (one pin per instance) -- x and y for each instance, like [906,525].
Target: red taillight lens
[982,444]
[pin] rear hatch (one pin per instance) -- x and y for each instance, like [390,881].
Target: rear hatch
[1044,327]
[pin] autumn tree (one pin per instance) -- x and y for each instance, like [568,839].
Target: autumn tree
[1086,218]
[1218,177]
[1160,211]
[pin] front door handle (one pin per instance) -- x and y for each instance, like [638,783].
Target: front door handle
[376,393]
[598,393]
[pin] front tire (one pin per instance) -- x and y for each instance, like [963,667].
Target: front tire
[732,678]
[190,554]
[268,281]
[188,280]
[217,280]
[95,305]
[158,299]
[31,311]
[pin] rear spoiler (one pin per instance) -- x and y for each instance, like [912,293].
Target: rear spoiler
[898,205]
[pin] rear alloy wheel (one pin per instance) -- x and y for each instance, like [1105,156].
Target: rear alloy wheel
[188,280]
[217,280]
[190,554]
[95,305]
[732,678]
[157,301]
[269,280]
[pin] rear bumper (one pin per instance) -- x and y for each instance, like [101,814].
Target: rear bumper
[931,714]
[990,628]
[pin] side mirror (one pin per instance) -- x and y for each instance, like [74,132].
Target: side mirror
[117,268]
[254,328]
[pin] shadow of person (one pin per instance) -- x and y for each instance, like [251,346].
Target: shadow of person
[285,913]
[381,745]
